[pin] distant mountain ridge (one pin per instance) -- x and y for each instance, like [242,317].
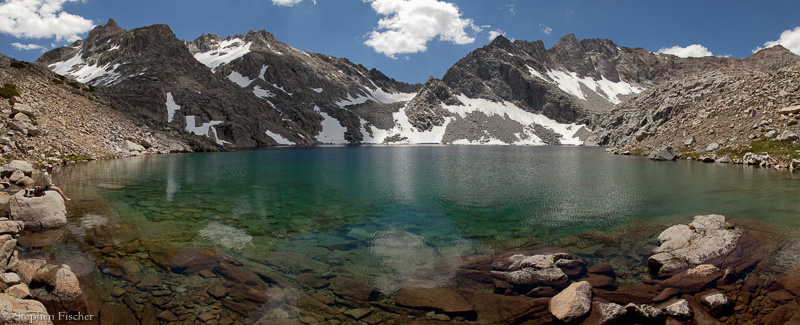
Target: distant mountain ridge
[252,90]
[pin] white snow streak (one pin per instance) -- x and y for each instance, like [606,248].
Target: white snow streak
[571,84]
[376,95]
[171,108]
[279,139]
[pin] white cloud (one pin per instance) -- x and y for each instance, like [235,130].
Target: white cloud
[545,29]
[41,19]
[494,33]
[19,46]
[287,3]
[410,24]
[790,39]
[691,51]
[512,9]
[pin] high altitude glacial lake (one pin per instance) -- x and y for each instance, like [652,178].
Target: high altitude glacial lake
[379,214]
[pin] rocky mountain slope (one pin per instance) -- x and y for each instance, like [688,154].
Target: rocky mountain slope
[52,119]
[252,90]
[714,113]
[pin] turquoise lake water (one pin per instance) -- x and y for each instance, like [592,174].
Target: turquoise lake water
[397,208]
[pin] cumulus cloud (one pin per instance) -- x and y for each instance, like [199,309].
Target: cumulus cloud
[19,46]
[790,39]
[41,19]
[691,51]
[494,33]
[409,25]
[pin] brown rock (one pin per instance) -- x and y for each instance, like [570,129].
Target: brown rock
[149,315]
[602,268]
[242,292]
[780,296]
[601,282]
[666,294]
[218,291]
[238,274]
[312,280]
[167,316]
[192,260]
[695,279]
[638,294]
[19,291]
[358,313]
[352,289]
[790,280]
[427,296]
[117,315]
[777,316]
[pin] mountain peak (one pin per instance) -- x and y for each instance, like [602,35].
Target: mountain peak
[568,40]
[104,31]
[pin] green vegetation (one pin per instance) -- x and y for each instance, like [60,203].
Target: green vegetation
[74,84]
[791,123]
[17,64]
[8,91]
[57,81]
[89,88]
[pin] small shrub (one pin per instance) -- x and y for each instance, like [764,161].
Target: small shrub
[792,123]
[8,91]
[17,64]
[35,123]
[57,81]
[74,84]
[61,77]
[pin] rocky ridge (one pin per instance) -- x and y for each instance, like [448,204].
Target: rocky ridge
[54,120]
[735,116]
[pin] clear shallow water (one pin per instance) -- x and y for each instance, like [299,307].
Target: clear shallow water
[383,214]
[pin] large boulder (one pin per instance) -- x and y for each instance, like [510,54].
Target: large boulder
[14,165]
[551,270]
[707,238]
[39,213]
[24,311]
[666,153]
[573,303]
[57,287]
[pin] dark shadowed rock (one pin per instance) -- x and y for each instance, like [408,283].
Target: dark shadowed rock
[352,289]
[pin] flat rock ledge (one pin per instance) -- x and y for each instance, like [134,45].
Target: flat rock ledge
[708,237]
[573,303]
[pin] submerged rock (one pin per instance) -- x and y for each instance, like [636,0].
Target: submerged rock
[428,296]
[573,303]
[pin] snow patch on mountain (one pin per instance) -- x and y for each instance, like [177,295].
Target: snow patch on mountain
[223,52]
[262,93]
[512,112]
[171,107]
[570,83]
[239,79]
[317,90]
[77,68]
[205,129]
[279,139]
[376,95]
[332,131]
[281,89]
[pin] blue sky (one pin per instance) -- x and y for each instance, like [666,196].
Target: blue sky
[411,40]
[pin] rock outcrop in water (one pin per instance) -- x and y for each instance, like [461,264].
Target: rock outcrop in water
[707,238]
